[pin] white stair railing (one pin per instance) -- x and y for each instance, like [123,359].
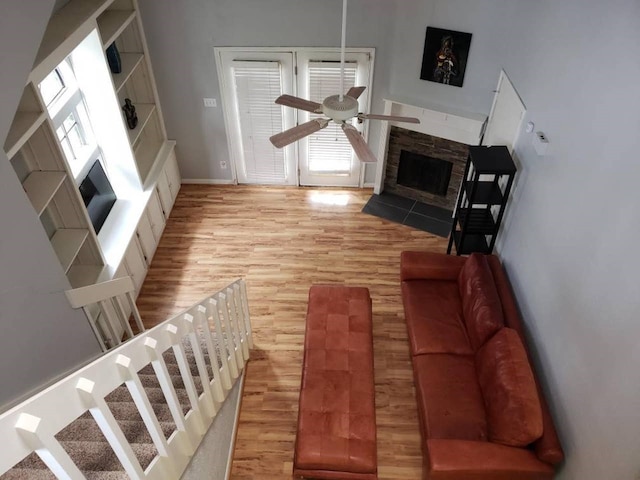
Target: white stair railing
[32,425]
[108,306]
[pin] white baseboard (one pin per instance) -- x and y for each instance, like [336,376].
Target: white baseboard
[207,181]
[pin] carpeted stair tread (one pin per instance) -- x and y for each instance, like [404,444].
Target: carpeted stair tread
[134,431]
[124,411]
[93,456]
[154,394]
[17,473]
[151,381]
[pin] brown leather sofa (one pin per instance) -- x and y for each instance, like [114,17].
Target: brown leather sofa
[482,413]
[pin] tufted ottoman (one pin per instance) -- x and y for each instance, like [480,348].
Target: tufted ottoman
[336,436]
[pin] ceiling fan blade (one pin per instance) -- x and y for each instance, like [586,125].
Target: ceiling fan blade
[363,152]
[299,103]
[283,139]
[355,92]
[390,118]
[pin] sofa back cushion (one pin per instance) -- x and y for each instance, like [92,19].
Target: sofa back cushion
[514,415]
[481,307]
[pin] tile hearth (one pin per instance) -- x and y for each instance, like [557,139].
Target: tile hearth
[412,213]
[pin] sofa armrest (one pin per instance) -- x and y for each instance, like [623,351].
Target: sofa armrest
[429,266]
[470,460]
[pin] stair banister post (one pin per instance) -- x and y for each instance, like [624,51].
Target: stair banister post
[140,398]
[222,348]
[237,333]
[239,314]
[201,316]
[200,364]
[161,371]
[245,309]
[122,316]
[228,337]
[108,320]
[175,337]
[110,428]
[44,443]
[134,311]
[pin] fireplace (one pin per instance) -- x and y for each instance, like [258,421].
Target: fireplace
[443,133]
[424,173]
[424,168]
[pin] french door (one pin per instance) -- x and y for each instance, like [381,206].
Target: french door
[251,79]
[251,83]
[326,157]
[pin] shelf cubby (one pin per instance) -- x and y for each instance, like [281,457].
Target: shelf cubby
[66,243]
[83,275]
[144,112]
[472,243]
[487,192]
[480,220]
[112,23]
[130,61]
[148,147]
[26,121]
[41,187]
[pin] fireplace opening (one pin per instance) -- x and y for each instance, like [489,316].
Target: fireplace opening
[424,173]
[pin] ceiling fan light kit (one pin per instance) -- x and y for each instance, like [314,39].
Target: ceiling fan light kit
[339,108]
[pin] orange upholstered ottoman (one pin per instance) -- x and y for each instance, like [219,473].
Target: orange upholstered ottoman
[336,436]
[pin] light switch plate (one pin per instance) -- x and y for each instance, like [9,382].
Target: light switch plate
[210,102]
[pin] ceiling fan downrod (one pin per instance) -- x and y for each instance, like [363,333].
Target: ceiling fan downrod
[342,48]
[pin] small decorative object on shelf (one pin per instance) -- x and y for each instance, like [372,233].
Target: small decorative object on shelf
[113,57]
[130,113]
[482,202]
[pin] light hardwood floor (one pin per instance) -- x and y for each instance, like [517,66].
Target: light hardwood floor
[283,240]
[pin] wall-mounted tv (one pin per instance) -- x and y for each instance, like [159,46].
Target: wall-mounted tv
[98,195]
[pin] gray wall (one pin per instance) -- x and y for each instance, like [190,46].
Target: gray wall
[42,337]
[182,35]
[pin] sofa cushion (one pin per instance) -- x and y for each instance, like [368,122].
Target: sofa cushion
[481,305]
[434,317]
[509,390]
[449,397]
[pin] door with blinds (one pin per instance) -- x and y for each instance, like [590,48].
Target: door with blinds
[326,157]
[251,83]
[251,80]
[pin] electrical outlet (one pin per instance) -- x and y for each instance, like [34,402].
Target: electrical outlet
[223,165]
[210,102]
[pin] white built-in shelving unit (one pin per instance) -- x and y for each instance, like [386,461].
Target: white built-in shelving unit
[140,163]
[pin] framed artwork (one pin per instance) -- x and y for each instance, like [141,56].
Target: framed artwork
[444,59]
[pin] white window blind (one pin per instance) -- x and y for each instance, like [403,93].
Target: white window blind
[258,84]
[329,149]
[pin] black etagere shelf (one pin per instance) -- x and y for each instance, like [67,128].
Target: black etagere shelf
[482,202]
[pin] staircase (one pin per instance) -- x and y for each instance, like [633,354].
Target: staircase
[139,411]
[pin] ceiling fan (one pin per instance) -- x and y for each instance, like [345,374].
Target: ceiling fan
[337,108]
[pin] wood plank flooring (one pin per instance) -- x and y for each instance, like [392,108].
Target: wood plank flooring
[283,240]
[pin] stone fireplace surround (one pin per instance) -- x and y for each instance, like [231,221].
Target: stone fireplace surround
[415,142]
[442,133]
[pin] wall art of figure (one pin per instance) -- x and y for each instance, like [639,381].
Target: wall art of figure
[444,59]
[130,113]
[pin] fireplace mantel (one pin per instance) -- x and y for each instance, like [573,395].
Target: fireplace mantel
[435,120]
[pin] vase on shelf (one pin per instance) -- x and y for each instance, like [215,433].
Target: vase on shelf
[113,58]
[130,113]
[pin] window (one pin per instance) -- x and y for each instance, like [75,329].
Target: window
[329,150]
[52,86]
[68,110]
